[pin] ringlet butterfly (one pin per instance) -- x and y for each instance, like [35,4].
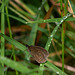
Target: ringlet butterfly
[38,53]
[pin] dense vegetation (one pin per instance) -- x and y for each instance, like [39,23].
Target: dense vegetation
[49,24]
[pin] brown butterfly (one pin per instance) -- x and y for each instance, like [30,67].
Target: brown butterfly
[39,53]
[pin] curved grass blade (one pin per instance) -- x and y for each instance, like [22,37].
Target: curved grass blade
[48,64]
[54,31]
[14,42]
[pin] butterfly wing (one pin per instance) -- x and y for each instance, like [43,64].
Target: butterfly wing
[45,52]
[39,53]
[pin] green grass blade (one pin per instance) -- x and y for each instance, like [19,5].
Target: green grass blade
[10,33]
[54,31]
[68,44]
[2,39]
[16,12]
[41,21]
[14,65]
[23,21]
[33,35]
[71,35]
[52,20]
[69,52]
[14,42]
[72,5]
[5,3]
[55,69]
[49,43]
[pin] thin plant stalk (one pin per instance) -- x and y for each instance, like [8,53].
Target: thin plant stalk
[63,33]
[63,47]
[61,7]
[10,33]
[2,39]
